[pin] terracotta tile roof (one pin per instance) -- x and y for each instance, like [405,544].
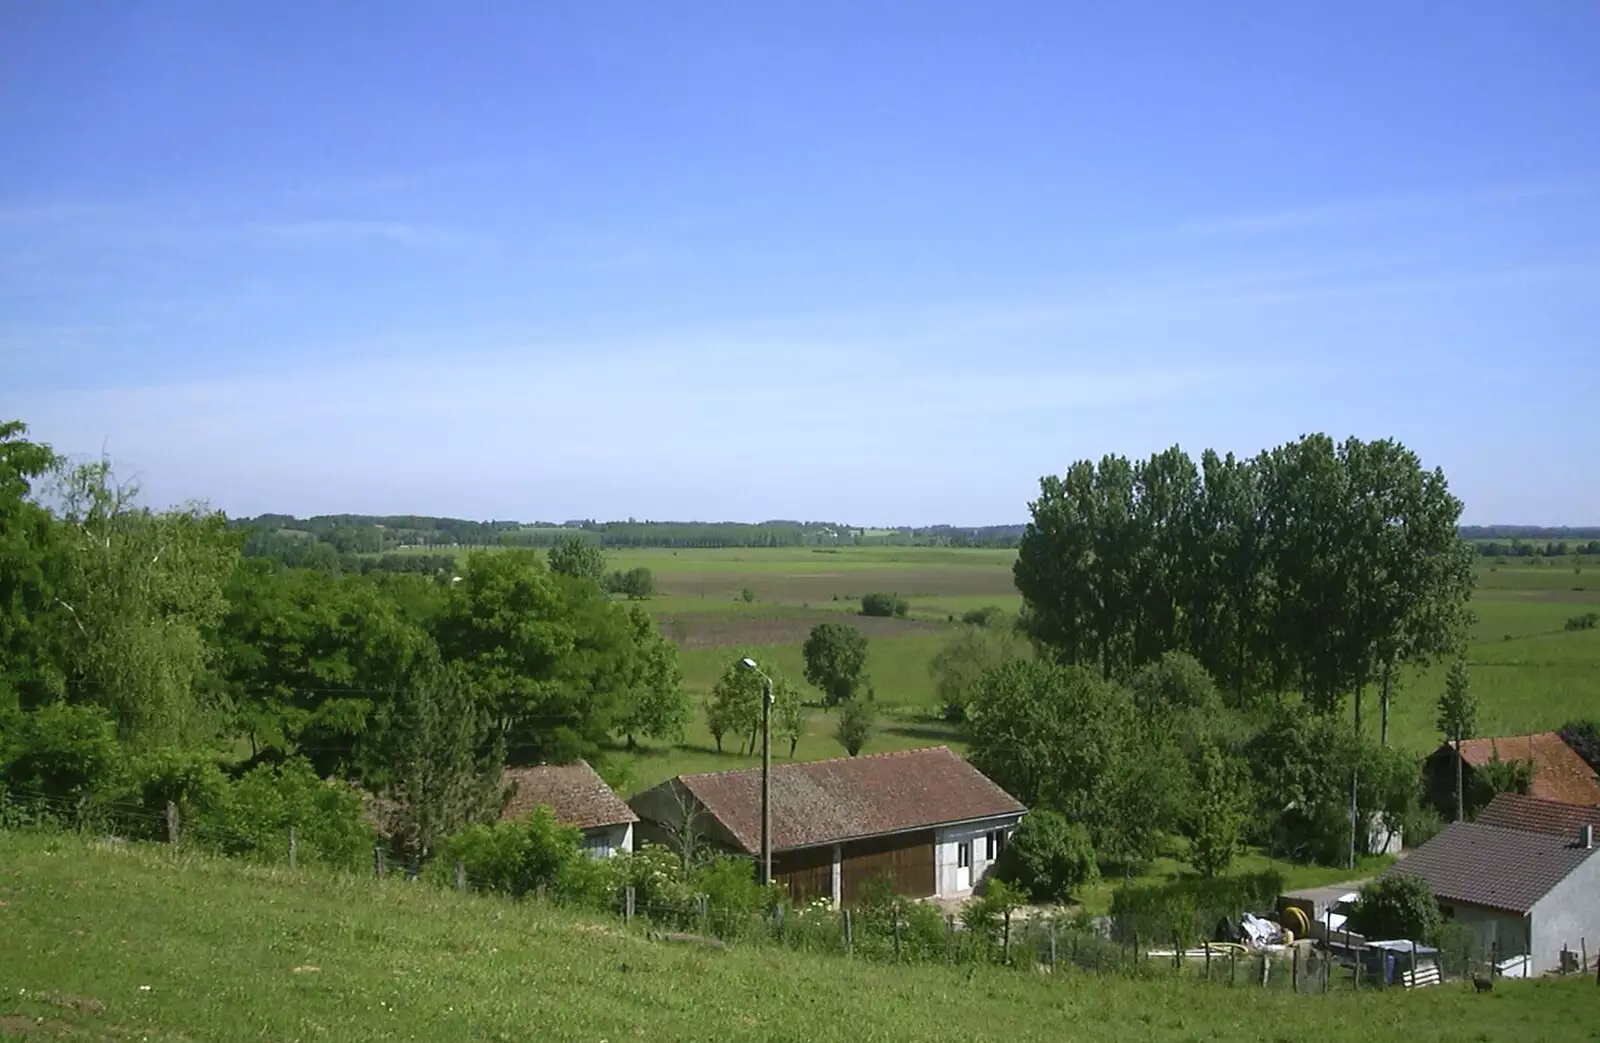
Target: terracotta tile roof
[824,802]
[1558,772]
[1532,815]
[1505,869]
[575,792]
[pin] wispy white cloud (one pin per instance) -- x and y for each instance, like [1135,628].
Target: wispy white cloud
[1375,209]
[343,232]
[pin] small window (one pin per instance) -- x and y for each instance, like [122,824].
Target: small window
[964,855]
[991,847]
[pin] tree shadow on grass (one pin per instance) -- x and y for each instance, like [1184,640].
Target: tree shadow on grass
[933,730]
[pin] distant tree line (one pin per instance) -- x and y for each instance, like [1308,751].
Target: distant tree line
[1522,549]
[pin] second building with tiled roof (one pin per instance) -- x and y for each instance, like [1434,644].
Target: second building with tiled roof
[925,820]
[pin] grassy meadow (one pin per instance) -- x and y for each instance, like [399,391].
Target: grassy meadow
[130,941]
[1529,673]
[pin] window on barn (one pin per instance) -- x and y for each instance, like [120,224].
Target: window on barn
[964,855]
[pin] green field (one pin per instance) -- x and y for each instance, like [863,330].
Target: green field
[133,942]
[1529,673]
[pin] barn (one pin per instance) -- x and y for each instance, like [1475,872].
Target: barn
[925,819]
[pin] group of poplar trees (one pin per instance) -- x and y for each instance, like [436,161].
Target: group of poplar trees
[1316,567]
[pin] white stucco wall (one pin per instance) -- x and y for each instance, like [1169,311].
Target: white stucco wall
[948,839]
[1494,929]
[605,841]
[1568,915]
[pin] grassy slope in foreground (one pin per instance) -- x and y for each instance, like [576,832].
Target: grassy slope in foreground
[229,952]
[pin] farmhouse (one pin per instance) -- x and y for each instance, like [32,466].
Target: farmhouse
[1559,774]
[577,796]
[925,819]
[1523,893]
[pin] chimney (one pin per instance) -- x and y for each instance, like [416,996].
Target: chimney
[1586,836]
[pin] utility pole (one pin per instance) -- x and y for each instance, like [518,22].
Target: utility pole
[766,780]
[766,769]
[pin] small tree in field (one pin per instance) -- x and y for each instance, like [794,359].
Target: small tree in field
[836,654]
[1397,906]
[576,556]
[788,713]
[857,717]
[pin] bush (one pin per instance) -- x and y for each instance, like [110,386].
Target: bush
[189,779]
[1584,737]
[985,916]
[254,815]
[1048,858]
[884,605]
[987,616]
[1188,908]
[1397,906]
[747,595]
[518,858]
[1498,776]
[60,754]
[1586,621]
[637,584]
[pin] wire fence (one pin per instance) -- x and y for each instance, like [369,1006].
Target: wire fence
[901,930]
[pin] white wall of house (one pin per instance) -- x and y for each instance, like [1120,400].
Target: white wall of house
[605,841]
[1569,914]
[1495,929]
[976,843]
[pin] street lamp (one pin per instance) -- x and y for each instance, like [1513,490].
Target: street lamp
[766,769]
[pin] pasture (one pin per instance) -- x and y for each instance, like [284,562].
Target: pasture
[1530,674]
[133,941]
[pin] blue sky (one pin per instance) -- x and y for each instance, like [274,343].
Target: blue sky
[876,263]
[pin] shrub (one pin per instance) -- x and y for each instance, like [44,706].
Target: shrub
[1049,858]
[985,916]
[1397,906]
[517,858]
[884,605]
[60,754]
[1188,908]
[1586,621]
[254,815]
[747,595]
[987,616]
[189,779]
[1498,776]
[637,584]
[1584,737]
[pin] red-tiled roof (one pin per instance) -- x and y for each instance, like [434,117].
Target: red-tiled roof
[1506,869]
[1532,815]
[1559,774]
[824,802]
[574,792]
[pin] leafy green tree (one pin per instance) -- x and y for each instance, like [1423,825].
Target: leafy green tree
[260,808]
[310,660]
[963,659]
[655,704]
[857,719]
[836,656]
[638,584]
[142,590]
[1220,808]
[1397,906]
[1458,720]
[30,657]
[734,705]
[576,556]
[1048,857]
[1064,739]
[788,712]
[1498,776]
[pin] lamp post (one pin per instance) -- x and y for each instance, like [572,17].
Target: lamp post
[766,769]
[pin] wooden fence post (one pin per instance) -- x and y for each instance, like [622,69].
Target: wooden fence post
[1005,940]
[1177,954]
[291,847]
[849,934]
[1052,945]
[1294,978]
[895,912]
[172,823]
[627,904]
[379,862]
[1266,967]
[1208,963]
[1233,966]
[1563,972]
[950,937]
[461,877]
